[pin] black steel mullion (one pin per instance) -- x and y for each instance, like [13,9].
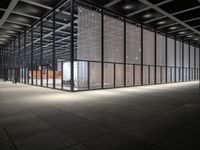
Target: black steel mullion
[141,55]
[54,50]
[102,49]
[31,55]
[62,75]
[19,59]
[41,53]
[189,61]
[166,62]
[149,75]
[134,74]
[155,59]
[124,51]
[194,62]
[182,61]
[114,75]
[72,44]
[88,63]
[24,64]
[175,78]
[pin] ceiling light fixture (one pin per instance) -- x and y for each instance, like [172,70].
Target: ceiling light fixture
[147,16]
[161,22]
[183,32]
[189,35]
[172,28]
[128,7]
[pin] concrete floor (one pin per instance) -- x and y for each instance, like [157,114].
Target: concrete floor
[159,117]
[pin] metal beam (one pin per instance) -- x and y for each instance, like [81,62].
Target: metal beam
[11,6]
[37,4]
[144,9]
[185,10]
[111,3]
[25,15]
[18,23]
[154,19]
[192,19]
[168,25]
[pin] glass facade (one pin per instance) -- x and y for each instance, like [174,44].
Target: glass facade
[82,47]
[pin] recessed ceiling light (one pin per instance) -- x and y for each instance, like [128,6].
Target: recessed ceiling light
[189,35]
[147,16]
[127,7]
[183,32]
[172,28]
[161,22]
[6,36]
[1,39]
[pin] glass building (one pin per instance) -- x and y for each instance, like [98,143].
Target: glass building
[80,46]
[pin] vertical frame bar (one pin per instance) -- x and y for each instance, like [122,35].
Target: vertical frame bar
[155,59]
[166,62]
[102,49]
[54,50]
[175,78]
[25,67]
[41,53]
[31,55]
[189,61]
[72,44]
[62,75]
[195,61]
[182,61]
[88,82]
[141,55]
[125,52]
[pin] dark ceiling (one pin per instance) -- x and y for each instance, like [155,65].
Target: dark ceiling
[174,17]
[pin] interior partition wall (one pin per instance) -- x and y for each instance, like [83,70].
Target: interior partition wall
[78,46]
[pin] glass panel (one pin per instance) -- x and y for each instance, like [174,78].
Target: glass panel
[137,75]
[67,75]
[197,57]
[152,75]
[36,53]
[62,44]
[170,52]
[95,75]
[133,44]
[108,75]
[119,75]
[191,56]
[58,75]
[145,75]
[163,74]
[80,75]
[48,48]
[89,34]
[169,77]
[129,75]
[186,55]
[148,47]
[161,50]
[178,54]
[158,75]
[113,39]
